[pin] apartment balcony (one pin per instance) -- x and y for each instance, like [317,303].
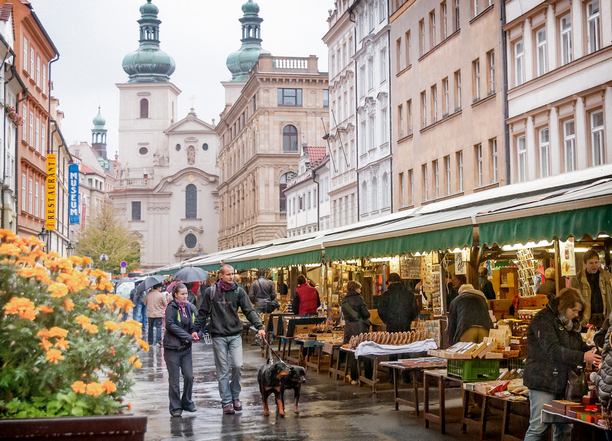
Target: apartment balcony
[299,65]
[140,177]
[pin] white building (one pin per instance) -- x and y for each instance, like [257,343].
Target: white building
[560,86]
[307,194]
[373,112]
[166,188]
[340,41]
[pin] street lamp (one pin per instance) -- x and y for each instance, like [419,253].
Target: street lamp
[43,235]
[103,259]
[69,248]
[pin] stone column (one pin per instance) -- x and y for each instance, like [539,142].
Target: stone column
[577,32]
[582,141]
[608,123]
[556,146]
[528,50]
[551,37]
[530,141]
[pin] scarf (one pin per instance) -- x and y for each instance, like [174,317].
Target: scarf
[183,309]
[569,325]
[224,286]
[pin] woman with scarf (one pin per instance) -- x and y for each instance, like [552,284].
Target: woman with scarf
[180,333]
[554,348]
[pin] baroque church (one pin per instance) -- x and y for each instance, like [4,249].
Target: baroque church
[166,181]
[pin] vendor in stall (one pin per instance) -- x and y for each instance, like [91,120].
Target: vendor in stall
[453,284]
[554,347]
[468,316]
[549,286]
[595,286]
[397,306]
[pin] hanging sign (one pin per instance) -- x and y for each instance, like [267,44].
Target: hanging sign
[51,192]
[568,258]
[73,194]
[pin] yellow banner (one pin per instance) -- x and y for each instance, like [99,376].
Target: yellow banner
[51,191]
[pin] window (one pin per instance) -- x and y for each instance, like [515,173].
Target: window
[400,120]
[37,124]
[519,67]
[386,191]
[490,72]
[282,198]
[423,109]
[408,47]
[381,10]
[474,8]
[424,183]
[371,132]
[308,202]
[432,28]
[362,75]
[493,156]
[457,76]
[521,150]
[38,76]
[436,176]
[459,160]
[409,116]
[476,79]
[421,37]
[565,25]
[447,174]
[25,53]
[136,211]
[289,97]
[541,53]
[479,178]
[544,152]
[593,26]
[445,97]
[362,136]
[43,137]
[325,97]
[457,16]
[370,73]
[597,138]
[383,65]
[31,138]
[191,202]
[290,138]
[569,145]
[364,197]
[191,241]
[144,108]
[36,199]
[24,191]
[30,195]
[443,20]
[434,103]
[204,146]
[143,150]
[402,190]
[410,187]
[398,54]
[44,78]
[32,62]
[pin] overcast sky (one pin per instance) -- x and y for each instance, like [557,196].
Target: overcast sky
[93,36]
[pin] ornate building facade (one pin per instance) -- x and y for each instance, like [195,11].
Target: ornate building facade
[166,187]
[274,105]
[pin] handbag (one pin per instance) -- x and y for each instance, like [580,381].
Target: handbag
[576,386]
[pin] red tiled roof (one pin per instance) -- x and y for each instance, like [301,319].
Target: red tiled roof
[86,170]
[5,11]
[315,154]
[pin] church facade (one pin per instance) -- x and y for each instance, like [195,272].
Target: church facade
[166,181]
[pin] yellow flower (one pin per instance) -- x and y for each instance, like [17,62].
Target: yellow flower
[58,332]
[94,389]
[22,307]
[8,249]
[144,345]
[135,361]
[93,306]
[111,326]
[53,356]
[7,235]
[92,329]
[79,387]
[87,260]
[58,290]
[109,387]
[68,304]
[131,327]
[82,319]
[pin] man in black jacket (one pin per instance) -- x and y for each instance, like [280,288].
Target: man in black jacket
[397,307]
[220,309]
[262,292]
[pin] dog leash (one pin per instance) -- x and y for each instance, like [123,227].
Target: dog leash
[272,351]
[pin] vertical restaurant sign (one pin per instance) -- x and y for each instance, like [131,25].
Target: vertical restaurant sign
[51,191]
[73,194]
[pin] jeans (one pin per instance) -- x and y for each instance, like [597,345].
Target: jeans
[177,362]
[140,315]
[536,430]
[155,329]
[228,362]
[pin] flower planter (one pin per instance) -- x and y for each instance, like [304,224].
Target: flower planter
[113,428]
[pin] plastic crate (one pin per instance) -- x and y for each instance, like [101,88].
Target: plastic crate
[474,370]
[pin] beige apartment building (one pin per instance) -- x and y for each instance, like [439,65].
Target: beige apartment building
[279,109]
[560,86]
[447,99]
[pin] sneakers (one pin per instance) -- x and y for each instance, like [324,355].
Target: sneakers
[237,405]
[228,409]
[190,408]
[176,412]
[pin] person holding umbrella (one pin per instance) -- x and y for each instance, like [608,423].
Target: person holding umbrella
[191,276]
[138,298]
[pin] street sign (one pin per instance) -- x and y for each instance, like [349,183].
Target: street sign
[123,264]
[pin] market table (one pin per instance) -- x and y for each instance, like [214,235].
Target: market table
[303,359]
[440,378]
[334,361]
[414,367]
[595,430]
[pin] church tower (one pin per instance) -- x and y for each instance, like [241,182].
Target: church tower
[147,103]
[98,136]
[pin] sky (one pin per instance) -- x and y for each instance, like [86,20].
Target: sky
[93,36]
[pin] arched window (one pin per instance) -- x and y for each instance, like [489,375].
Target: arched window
[386,191]
[144,108]
[374,194]
[282,186]
[364,197]
[290,139]
[191,202]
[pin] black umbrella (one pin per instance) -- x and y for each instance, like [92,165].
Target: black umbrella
[149,283]
[189,274]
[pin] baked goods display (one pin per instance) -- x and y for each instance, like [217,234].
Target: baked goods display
[387,338]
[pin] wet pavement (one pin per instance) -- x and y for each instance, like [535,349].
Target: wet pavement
[328,411]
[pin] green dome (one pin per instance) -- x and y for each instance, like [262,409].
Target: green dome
[148,64]
[99,122]
[242,61]
[250,7]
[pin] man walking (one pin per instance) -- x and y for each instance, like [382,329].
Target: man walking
[262,292]
[219,313]
[595,287]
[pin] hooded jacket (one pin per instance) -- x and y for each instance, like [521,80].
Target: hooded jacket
[470,308]
[552,351]
[356,315]
[178,328]
[397,308]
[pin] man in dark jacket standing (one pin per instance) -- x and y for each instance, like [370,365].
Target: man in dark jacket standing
[397,307]
[468,317]
[220,305]
[262,292]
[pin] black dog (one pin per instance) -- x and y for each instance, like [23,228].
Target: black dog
[297,376]
[270,377]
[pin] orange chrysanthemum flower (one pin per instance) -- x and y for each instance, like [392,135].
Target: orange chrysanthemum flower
[45,309]
[111,326]
[8,249]
[22,307]
[94,389]
[45,344]
[143,345]
[58,290]
[53,356]
[109,387]
[68,304]
[79,387]
[58,332]
[62,344]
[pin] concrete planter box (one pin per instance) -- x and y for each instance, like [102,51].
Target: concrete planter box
[98,428]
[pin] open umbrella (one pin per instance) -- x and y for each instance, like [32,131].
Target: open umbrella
[149,283]
[125,288]
[189,274]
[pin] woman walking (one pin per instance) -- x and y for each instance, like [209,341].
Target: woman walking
[356,318]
